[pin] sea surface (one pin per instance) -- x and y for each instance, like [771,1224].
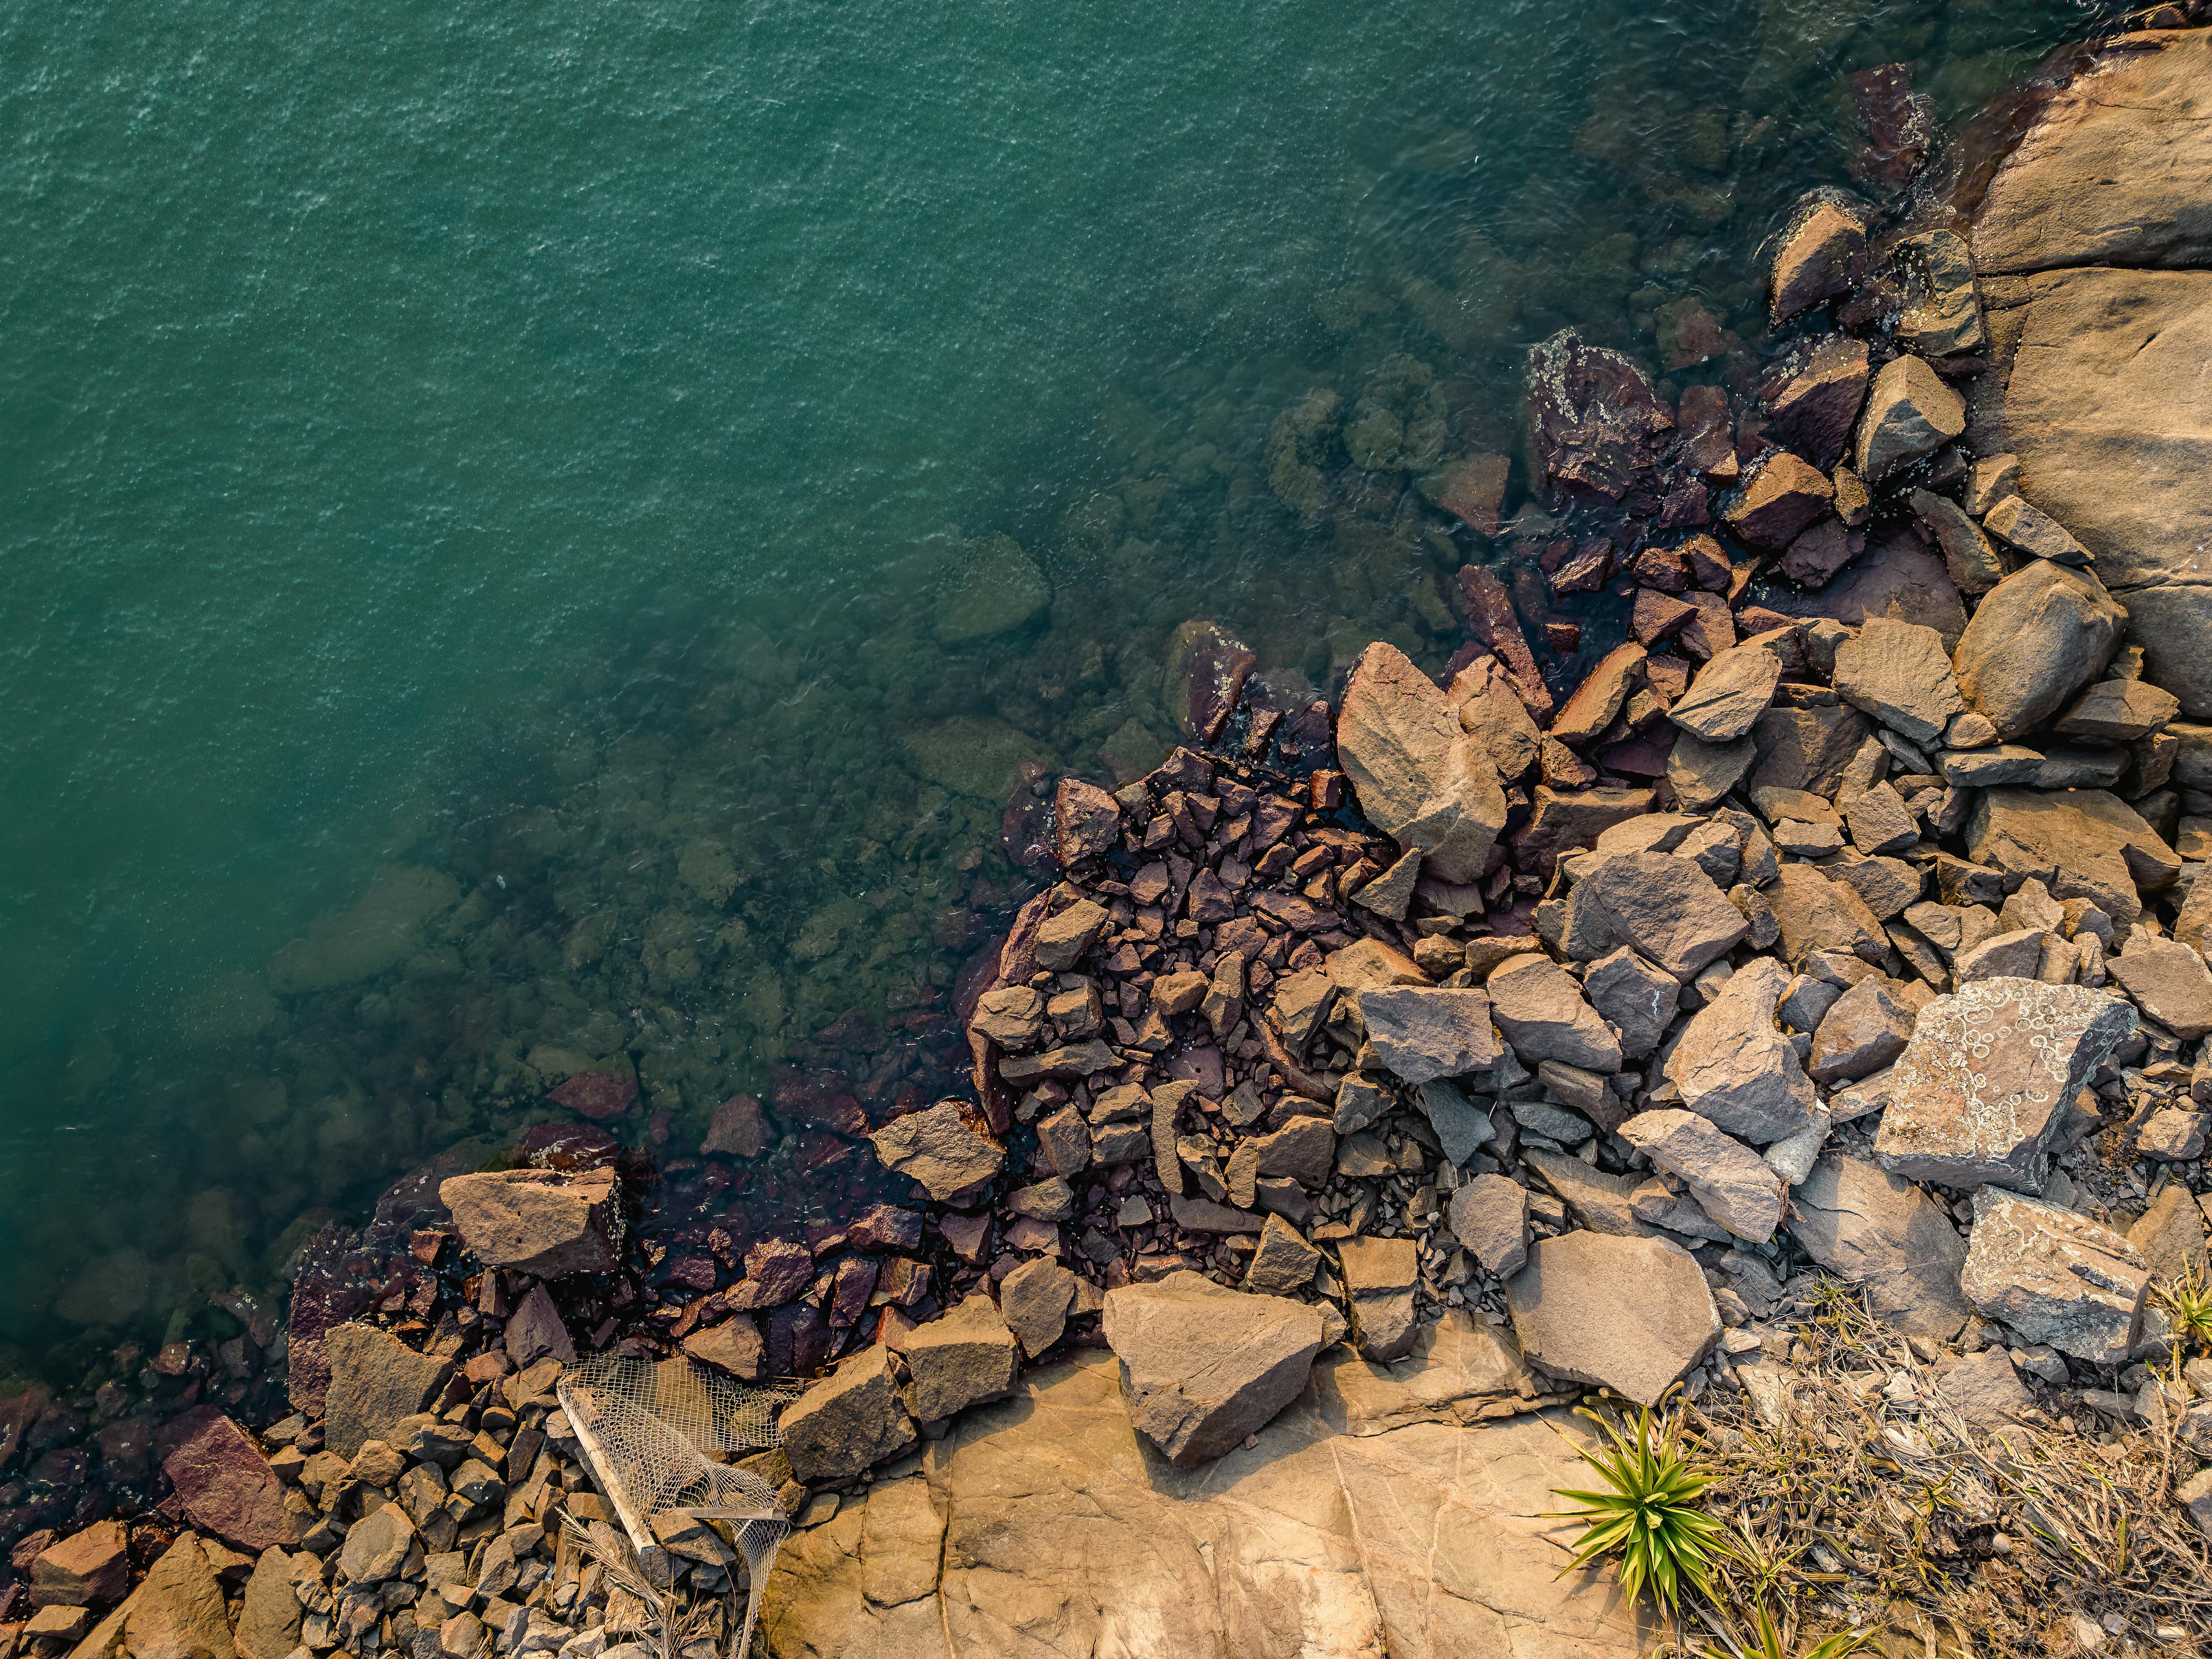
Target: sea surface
[537,538]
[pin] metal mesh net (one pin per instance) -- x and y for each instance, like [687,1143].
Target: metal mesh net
[654,1435]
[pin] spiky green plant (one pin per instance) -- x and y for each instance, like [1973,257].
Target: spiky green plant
[1650,1512]
[2187,1300]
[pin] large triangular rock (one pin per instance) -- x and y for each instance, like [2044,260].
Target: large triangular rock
[1203,1366]
[1418,776]
[1883,1234]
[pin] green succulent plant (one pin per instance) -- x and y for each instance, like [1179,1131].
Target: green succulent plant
[1650,1511]
[2187,1300]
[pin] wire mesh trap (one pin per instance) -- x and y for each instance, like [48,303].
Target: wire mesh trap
[656,1435]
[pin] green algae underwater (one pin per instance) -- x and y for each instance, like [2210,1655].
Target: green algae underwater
[540,539]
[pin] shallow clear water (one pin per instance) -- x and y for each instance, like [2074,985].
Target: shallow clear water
[497,503]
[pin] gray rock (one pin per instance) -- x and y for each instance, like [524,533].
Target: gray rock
[2035,533]
[1942,314]
[2036,639]
[1064,938]
[1489,1215]
[939,1148]
[848,1422]
[376,1545]
[1633,997]
[1633,1315]
[2054,1277]
[1729,694]
[1985,1083]
[1282,1264]
[1360,1101]
[1909,412]
[1732,1184]
[1883,1234]
[1900,673]
[1553,1122]
[1202,1366]
[2169,1235]
[1543,1015]
[1879,821]
[1303,1149]
[1866,1029]
[2015,955]
[1423,1032]
[1379,1276]
[2084,844]
[1421,779]
[1733,1067]
[1463,1129]
[1034,1300]
[2168,981]
[375,1381]
[954,1361]
[1666,907]
[545,1223]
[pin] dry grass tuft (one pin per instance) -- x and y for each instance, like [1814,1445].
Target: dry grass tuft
[1855,1489]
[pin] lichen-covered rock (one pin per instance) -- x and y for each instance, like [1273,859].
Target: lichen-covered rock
[2054,1276]
[1985,1083]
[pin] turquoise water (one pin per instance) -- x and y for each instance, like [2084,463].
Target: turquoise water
[506,511]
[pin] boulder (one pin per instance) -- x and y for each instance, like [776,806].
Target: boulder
[1065,937]
[1729,694]
[1422,1032]
[1206,670]
[1489,1216]
[1664,906]
[735,1345]
[1541,1011]
[2168,981]
[1380,1275]
[1632,1315]
[2054,1277]
[176,1613]
[2079,843]
[2035,533]
[1909,412]
[2118,711]
[1985,1083]
[1594,704]
[739,1129]
[1813,396]
[940,1149]
[1635,999]
[963,1356]
[1863,1030]
[545,1223]
[2036,639]
[83,1570]
[1734,1066]
[1942,314]
[849,1421]
[1282,1264]
[990,587]
[1086,822]
[1420,779]
[1701,773]
[1900,673]
[1883,1234]
[1816,914]
[1203,1366]
[1034,1300]
[1968,554]
[375,1380]
[1492,713]
[269,1612]
[1822,254]
[2169,1235]
[1780,497]
[1732,1184]
[224,1483]
[376,1546]
[1461,1128]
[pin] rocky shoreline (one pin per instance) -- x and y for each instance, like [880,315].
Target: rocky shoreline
[1483,1038]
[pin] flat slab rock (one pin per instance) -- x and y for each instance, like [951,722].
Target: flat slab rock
[1367,1520]
[1985,1082]
[1203,1366]
[1633,1315]
[2055,1277]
